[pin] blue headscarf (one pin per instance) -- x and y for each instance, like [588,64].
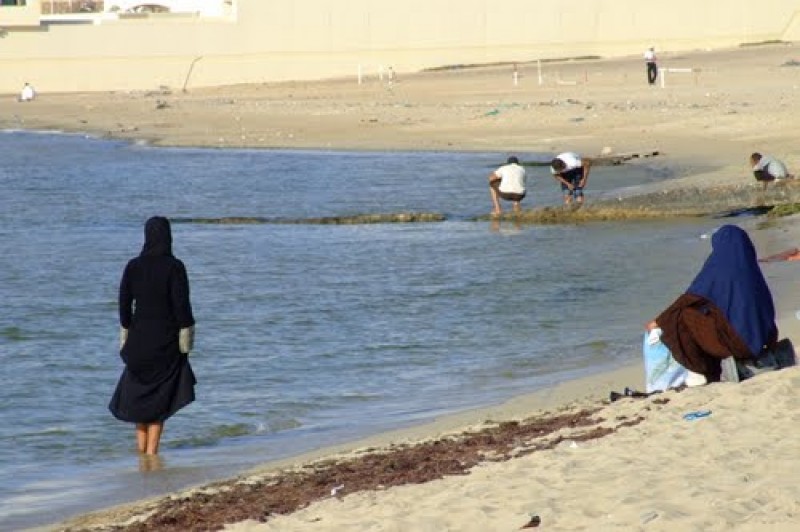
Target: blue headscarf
[731,278]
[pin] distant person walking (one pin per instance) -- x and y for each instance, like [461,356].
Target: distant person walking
[507,183]
[573,173]
[767,169]
[156,336]
[650,61]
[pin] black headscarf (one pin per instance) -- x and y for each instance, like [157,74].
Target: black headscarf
[157,238]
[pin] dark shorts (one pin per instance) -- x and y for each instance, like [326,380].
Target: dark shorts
[763,175]
[508,196]
[574,177]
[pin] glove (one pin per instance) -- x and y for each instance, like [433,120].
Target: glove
[123,336]
[186,339]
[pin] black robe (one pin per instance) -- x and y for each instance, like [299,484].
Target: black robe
[154,305]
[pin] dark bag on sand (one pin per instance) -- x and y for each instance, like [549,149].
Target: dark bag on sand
[781,356]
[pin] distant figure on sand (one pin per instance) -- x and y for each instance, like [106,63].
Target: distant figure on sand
[768,169]
[27,93]
[156,336]
[727,311]
[507,183]
[651,65]
[573,173]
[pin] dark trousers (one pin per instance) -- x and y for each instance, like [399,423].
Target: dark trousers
[652,73]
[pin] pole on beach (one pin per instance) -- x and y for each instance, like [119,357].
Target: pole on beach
[516,75]
[189,73]
[539,68]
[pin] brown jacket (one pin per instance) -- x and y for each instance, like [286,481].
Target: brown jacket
[699,336]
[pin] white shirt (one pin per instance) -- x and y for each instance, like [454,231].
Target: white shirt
[571,159]
[512,178]
[773,166]
[650,56]
[27,93]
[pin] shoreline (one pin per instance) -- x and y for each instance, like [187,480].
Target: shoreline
[571,395]
[714,122]
[577,393]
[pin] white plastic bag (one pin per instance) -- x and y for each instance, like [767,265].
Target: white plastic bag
[661,370]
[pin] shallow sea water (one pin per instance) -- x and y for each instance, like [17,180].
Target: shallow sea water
[307,335]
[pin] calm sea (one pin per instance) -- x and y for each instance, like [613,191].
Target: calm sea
[307,335]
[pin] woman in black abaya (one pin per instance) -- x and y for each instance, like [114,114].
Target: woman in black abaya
[156,336]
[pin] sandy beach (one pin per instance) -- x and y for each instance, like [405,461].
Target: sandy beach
[733,101]
[649,468]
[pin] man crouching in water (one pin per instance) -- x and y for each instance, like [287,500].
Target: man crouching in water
[508,183]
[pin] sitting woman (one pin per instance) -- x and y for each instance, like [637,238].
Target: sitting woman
[727,310]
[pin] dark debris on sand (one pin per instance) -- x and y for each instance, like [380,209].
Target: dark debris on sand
[287,491]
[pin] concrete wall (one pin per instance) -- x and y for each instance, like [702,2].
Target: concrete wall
[271,40]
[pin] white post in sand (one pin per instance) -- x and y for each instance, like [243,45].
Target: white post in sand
[663,71]
[516,75]
[539,67]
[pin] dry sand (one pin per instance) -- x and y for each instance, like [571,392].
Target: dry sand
[737,100]
[733,470]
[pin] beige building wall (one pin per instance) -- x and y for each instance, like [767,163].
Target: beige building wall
[26,15]
[273,40]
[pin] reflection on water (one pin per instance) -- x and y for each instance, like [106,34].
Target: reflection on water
[307,335]
[149,463]
[505,227]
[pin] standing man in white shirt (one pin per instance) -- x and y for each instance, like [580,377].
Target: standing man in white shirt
[652,68]
[507,183]
[27,93]
[573,173]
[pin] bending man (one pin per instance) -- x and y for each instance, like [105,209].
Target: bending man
[573,173]
[767,168]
